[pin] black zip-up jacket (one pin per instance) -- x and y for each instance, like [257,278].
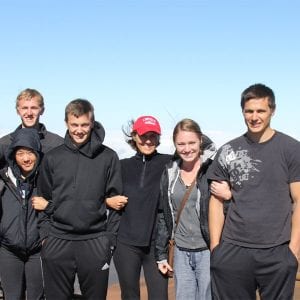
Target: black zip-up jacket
[141,176]
[48,141]
[165,218]
[18,225]
[18,219]
[76,181]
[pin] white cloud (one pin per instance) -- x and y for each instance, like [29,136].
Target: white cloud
[115,140]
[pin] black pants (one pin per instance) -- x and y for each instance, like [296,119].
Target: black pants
[18,271]
[129,261]
[62,259]
[237,272]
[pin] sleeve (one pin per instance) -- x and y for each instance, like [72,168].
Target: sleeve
[293,158]
[113,187]
[161,242]
[44,189]
[49,209]
[162,234]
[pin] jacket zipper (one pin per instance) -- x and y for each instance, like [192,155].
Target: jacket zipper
[26,221]
[143,172]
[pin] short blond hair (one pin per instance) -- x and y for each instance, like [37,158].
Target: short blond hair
[28,94]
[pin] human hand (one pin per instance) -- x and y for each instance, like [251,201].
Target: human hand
[221,189]
[164,267]
[117,202]
[39,203]
[213,246]
[295,251]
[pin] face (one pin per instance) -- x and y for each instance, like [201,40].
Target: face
[80,128]
[146,143]
[30,111]
[257,115]
[26,160]
[187,145]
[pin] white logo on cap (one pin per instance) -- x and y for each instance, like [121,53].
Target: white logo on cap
[149,120]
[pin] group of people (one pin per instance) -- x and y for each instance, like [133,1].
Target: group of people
[69,206]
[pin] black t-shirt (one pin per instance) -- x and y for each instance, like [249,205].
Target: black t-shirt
[259,174]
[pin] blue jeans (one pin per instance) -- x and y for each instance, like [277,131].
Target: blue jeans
[192,275]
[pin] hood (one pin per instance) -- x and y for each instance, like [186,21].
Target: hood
[93,146]
[99,131]
[24,137]
[209,148]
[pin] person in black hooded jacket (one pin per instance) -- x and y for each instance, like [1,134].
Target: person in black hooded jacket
[20,240]
[79,232]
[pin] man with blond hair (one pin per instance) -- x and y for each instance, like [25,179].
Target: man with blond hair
[30,106]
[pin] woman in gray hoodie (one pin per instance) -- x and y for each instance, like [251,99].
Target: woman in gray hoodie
[185,177]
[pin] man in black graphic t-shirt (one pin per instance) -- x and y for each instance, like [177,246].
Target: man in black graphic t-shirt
[257,246]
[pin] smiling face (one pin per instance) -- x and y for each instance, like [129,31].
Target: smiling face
[29,110]
[146,143]
[25,159]
[187,145]
[80,127]
[257,115]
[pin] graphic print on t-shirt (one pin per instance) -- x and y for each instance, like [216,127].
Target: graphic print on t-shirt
[239,164]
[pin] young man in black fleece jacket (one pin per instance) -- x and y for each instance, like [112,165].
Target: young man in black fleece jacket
[78,231]
[30,106]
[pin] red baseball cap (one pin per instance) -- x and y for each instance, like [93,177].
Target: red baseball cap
[146,124]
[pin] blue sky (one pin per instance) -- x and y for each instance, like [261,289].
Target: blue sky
[170,59]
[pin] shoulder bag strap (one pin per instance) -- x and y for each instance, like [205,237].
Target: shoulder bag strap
[183,202]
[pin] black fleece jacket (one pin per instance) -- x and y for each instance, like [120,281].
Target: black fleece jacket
[141,178]
[76,180]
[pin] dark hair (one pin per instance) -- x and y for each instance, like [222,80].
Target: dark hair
[79,107]
[257,91]
[129,134]
[188,125]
